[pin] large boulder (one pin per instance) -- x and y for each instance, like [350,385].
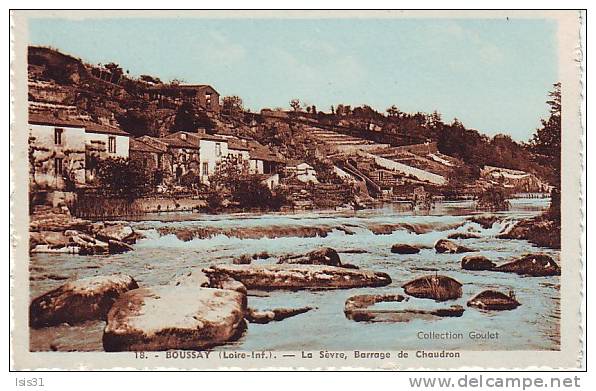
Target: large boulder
[536,265]
[89,245]
[494,300]
[477,262]
[359,308]
[294,277]
[404,249]
[277,314]
[447,246]
[76,301]
[437,287]
[164,318]
[321,256]
[117,232]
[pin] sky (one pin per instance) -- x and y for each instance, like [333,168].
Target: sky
[492,74]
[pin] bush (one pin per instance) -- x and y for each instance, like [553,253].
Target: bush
[124,177]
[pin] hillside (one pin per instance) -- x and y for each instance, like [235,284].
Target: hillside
[106,93]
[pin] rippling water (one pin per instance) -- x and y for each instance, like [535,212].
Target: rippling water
[156,259]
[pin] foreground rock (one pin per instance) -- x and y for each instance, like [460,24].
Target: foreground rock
[447,246]
[404,249]
[494,300]
[322,256]
[358,308]
[463,235]
[477,262]
[80,300]
[162,318]
[535,265]
[437,287]
[277,314]
[55,219]
[294,277]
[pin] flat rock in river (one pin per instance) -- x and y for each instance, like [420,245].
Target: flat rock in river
[277,314]
[477,262]
[79,300]
[360,309]
[294,277]
[494,300]
[437,287]
[164,318]
[447,246]
[536,265]
[404,249]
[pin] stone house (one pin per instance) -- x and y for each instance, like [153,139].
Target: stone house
[56,152]
[201,95]
[184,155]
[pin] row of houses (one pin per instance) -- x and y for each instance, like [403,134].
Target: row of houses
[64,151]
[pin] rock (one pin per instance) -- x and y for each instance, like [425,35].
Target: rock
[261,255]
[321,256]
[185,235]
[353,251]
[463,235]
[540,231]
[45,248]
[35,238]
[358,308]
[447,246]
[485,221]
[79,300]
[271,231]
[477,262]
[56,220]
[244,259]
[187,317]
[536,265]
[132,239]
[117,232]
[294,277]
[198,278]
[222,281]
[117,247]
[494,300]
[277,314]
[437,287]
[54,239]
[404,249]
[194,277]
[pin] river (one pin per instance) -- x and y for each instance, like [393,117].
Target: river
[157,259]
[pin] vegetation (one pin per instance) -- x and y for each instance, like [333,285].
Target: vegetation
[493,199]
[123,177]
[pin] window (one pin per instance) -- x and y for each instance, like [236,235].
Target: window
[58,166]
[58,136]
[112,144]
[205,168]
[208,98]
[217,149]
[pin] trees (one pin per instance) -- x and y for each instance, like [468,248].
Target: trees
[392,111]
[546,142]
[546,147]
[123,177]
[232,106]
[296,105]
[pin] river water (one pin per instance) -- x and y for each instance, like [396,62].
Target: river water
[157,259]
